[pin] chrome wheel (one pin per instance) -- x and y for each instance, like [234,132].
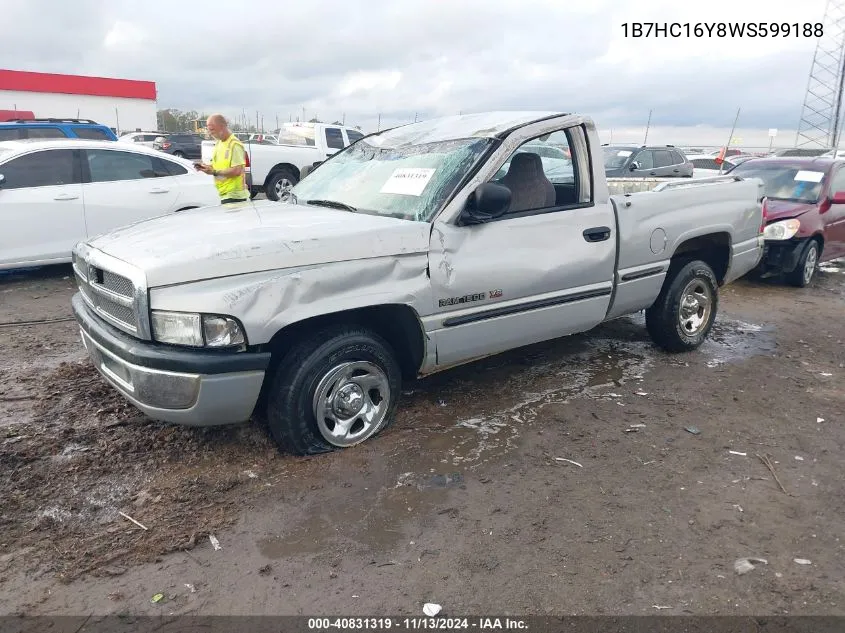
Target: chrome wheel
[351,402]
[696,305]
[282,184]
[810,263]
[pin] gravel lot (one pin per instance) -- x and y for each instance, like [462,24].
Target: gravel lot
[467,500]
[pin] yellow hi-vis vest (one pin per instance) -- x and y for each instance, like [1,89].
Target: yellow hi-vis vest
[230,153]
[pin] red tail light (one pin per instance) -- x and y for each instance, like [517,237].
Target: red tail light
[246,159]
[765,216]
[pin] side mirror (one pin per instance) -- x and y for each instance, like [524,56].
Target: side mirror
[837,198]
[488,202]
[635,166]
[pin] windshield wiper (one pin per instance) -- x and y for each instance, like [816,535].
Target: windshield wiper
[332,204]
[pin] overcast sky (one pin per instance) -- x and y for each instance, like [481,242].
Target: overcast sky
[359,58]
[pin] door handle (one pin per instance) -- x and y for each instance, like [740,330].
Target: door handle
[654,173]
[677,171]
[597,234]
[66,196]
[159,190]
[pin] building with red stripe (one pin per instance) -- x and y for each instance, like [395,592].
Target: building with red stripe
[125,105]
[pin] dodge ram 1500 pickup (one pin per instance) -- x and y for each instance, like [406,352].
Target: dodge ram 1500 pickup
[414,250]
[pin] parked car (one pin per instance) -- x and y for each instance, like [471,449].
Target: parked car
[625,161]
[399,257]
[805,214]
[55,128]
[709,167]
[278,167]
[146,139]
[54,193]
[180,145]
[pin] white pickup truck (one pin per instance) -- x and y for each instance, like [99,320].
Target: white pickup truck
[412,251]
[275,167]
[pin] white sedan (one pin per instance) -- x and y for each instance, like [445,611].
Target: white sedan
[54,193]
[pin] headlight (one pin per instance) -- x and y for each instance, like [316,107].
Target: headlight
[196,330]
[782,230]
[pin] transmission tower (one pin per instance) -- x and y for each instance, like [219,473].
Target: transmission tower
[821,115]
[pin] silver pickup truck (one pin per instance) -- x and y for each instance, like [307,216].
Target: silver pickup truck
[414,250]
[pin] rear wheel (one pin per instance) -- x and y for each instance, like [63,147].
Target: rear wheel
[333,390]
[806,268]
[683,314]
[178,154]
[278,181]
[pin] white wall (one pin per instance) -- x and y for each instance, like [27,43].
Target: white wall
[132,113]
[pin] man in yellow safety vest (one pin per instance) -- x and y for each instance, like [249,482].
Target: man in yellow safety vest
[228,162]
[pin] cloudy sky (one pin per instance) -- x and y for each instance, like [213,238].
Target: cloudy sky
[403,58]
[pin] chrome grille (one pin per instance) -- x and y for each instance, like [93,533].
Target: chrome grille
[118,284]
[110,295]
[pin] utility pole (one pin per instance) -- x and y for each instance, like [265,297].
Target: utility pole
[116,120]
[379,123]
[647,126]
[727,147]
[343,120]
[277,121]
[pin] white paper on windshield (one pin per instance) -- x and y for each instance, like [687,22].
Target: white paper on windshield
[624,153]
[408,181]
[809,176]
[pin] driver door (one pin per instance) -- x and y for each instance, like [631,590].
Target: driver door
[542,270]
[645,160]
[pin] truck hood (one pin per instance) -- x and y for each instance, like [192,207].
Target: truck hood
[250,237]
[785,209]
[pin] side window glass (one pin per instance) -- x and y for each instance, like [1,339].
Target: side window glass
[662,158]
[354,136]
[110,166]
[837,185]
[45,132]
[334,138]
[540,174]
[91,133]
[40,169]
[677,159]
[169,168]
[645,159]
[10,134]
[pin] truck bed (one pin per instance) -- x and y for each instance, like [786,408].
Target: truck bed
[656,215]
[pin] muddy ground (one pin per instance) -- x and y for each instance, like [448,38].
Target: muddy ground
[467,501]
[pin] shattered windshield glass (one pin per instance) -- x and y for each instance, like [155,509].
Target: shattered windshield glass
[410,182]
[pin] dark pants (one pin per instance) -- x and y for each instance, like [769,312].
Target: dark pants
[233,200]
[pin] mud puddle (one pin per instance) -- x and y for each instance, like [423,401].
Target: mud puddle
[87,455]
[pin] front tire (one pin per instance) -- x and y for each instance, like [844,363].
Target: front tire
[335,389]
[806,268]
[179,154]
[683,314]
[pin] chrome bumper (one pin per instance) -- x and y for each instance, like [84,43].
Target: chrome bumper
[191,398]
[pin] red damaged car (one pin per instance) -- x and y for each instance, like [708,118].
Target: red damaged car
[804,211]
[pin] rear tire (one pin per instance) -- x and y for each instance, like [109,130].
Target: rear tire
[683,314]
[276,182]
[805,270]
[179,154]
[335,389]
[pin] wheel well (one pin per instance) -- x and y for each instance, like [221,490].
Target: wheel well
[398,324]
[714,249]
[820,239]
[292,168]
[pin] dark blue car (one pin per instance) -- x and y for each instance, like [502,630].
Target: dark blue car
[55,128]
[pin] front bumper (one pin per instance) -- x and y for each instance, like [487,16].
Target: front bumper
[782,256]
[189,387]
